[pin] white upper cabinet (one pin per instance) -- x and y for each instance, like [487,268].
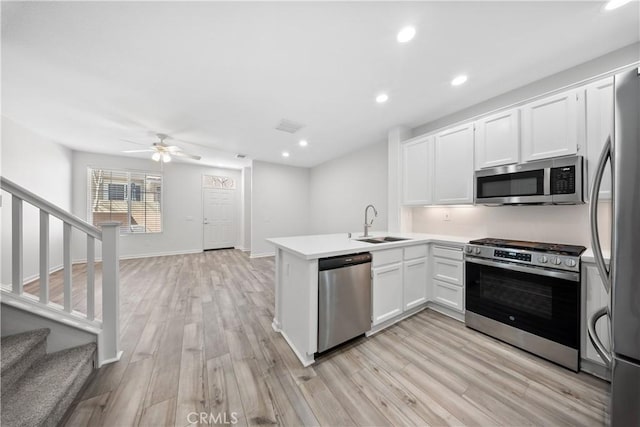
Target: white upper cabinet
[497,140]
[417,171]
[550,127]
[599,104]
[453,165]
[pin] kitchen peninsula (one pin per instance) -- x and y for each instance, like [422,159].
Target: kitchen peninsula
[400,285]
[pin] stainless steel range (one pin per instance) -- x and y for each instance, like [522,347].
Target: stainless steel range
[527,294]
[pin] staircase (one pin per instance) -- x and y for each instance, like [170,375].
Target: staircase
[68,326]
[38,388]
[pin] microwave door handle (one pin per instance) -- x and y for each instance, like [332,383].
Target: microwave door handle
[593,335]
[546,183]
[593,215]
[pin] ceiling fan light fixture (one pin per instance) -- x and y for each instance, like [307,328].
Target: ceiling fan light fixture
[614,4]
[156,157]
[406,34]
[166,157]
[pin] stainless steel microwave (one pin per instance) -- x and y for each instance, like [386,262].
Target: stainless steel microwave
[553,181]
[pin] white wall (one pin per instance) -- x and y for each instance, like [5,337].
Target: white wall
[246,203]
[279,204]
[340,189]
[604,64]
[182,204]
[557,224]
[44,168]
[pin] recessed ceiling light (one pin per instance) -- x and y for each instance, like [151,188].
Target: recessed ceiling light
[406,34]
[382,98]
[459,80]
[303,143]
[614,4]
[285,154]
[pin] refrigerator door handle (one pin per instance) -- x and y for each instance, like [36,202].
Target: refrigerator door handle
[605,156]
[593,335]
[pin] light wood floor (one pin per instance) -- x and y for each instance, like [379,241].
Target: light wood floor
[197,337]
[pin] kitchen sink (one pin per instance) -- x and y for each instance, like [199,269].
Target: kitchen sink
[385,239]
[371,240]
[394,239]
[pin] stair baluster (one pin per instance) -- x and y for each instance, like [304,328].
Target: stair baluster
[109,337]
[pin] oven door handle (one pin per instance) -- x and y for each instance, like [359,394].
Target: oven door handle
[593,335]
[566,275]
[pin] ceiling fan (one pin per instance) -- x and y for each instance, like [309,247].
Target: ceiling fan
[163,152]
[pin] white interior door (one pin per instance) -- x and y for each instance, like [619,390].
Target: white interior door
[219,218]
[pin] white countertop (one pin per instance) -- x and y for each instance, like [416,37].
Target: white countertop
[587,256]
[326,245]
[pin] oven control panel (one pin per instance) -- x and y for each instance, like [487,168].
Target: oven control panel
[519,256]
[534,258]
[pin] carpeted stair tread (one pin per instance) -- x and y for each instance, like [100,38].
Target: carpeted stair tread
[19,352]
[15,347]
[43,394]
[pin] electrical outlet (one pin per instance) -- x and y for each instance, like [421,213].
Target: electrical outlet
[446,215]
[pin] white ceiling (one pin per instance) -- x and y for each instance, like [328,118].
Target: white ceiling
[218,77]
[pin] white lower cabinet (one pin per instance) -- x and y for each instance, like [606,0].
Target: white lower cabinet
[415,283]
[399,281]
[387,292]
[596,297]
[447,281]
[449,295]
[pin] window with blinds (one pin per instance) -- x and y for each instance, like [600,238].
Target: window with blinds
[132,198]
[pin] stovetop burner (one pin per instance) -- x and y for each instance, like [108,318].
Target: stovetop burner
[555,248]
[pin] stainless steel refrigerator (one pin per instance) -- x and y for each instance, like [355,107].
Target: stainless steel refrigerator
[622,278]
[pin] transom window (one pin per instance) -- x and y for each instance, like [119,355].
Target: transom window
[132,198]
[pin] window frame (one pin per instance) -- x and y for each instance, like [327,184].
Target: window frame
[125,229]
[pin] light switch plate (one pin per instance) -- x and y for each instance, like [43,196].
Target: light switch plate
[446,215]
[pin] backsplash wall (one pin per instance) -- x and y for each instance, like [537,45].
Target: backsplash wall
[555,224]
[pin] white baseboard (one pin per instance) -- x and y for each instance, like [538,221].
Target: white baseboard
[305,360]
[33,277]
[262,255]
[147,255]
[379,327]
[454,314]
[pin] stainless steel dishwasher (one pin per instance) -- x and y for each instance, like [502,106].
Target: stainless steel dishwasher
[344,298]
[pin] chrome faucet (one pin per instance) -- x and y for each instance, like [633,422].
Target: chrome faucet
[368,223]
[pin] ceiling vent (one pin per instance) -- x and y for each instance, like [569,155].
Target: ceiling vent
[289,126]
[241,156]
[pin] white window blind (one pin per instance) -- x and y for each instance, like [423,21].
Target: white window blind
[132,198]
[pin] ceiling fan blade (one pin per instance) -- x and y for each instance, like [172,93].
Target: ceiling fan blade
[139,151]
[172,148]
[183,154]
[135,142]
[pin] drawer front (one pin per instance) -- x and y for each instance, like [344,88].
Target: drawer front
[448,270]
[413,252]
[449,253]
[448,295]
[388,256]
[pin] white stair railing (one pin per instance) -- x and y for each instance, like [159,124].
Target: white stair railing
[109,327]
